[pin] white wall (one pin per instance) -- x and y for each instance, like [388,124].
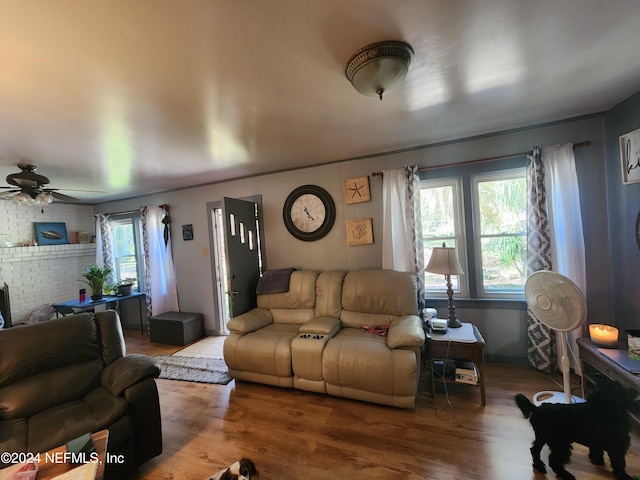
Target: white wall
[38,275]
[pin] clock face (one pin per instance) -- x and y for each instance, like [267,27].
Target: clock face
[309,212]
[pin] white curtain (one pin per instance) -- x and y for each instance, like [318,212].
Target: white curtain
[565,224]
[161,287]
[397,248]
[402,247]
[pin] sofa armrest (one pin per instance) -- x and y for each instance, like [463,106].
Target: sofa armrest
[127,371]
[406,331]
[250,321]
[321,326]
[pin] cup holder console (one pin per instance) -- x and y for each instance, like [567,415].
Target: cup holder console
[312,336]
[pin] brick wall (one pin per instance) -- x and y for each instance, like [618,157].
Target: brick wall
[38,275]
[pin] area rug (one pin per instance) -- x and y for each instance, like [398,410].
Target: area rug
[193,369]
[207,347]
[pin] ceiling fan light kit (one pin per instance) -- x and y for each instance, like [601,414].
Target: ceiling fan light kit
[40,200]
[27,188]
[380,67]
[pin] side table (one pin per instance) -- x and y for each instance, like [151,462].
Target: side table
[446,347]
[49,470]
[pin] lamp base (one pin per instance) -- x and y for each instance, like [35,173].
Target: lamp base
[454,323]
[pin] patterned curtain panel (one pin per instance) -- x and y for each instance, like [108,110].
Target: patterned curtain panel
[145,247]
[104,244]
[414,213]
[541,343]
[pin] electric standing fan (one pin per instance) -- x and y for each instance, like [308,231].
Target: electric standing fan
[558,303]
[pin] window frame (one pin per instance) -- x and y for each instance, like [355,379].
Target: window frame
[475,179]
[136,220]
[456,182]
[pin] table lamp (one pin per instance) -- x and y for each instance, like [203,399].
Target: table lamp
[445,261]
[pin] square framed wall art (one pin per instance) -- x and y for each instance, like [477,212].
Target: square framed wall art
[356,190]
[630,156]
[51,233]
[359,232]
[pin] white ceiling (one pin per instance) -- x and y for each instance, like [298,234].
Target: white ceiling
[127,97]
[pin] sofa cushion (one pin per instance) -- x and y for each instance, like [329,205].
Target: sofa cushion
[406,332]
[359,360]
[13,436]
[266,351]
[111,337]
[57,425]
[293,316]
[250,321]
[47,345]
[301,294]
[321,326]
[375,297]
[45,390]
[329,293]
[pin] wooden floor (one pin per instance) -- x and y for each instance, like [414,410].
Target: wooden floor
[291,434]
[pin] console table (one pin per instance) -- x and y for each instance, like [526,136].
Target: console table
[603,361]
[77,306]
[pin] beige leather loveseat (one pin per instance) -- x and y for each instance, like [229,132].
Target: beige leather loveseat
[311,336]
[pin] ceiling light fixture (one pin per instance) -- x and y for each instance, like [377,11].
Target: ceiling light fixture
[380,67]
[39,200]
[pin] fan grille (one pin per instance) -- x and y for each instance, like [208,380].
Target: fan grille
[555,300]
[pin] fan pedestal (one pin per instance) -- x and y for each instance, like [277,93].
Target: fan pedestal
[554,397]
[560,397]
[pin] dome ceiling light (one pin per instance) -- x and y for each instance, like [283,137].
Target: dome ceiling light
[380,67]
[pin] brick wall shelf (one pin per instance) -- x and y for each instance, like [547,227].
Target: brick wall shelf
[20,254]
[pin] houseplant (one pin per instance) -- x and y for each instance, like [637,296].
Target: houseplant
[96,277]
[124,286]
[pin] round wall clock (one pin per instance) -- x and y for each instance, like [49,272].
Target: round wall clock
[309,213]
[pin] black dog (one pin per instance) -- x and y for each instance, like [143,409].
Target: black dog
[602,423]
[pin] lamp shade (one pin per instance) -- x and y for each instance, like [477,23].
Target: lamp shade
[379,67]
[445,261]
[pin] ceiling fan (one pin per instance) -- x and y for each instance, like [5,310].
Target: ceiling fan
[28,188]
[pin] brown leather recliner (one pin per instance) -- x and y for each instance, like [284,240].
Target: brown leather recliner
[65,377]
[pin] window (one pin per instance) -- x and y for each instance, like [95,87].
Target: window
[500,232]
[127,251]
[492,205]
[441,210]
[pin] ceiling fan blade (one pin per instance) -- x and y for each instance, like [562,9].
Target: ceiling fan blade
[70,190]
[8,192]
[63,197]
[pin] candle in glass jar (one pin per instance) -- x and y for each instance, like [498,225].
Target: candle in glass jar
[604,335]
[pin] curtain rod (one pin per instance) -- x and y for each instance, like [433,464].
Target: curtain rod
[586,143]
[164,207]
[128,212]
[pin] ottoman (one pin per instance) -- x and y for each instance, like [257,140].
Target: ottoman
[176,328]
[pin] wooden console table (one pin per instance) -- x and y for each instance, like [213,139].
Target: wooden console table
[447,348]
[603,361]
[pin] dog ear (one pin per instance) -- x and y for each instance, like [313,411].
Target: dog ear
[247,468]
[227,475]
